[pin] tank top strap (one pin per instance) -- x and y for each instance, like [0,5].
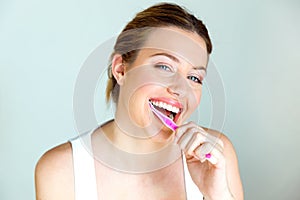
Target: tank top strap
[84,170]
[192,191]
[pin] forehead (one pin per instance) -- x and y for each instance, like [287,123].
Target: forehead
[186,45]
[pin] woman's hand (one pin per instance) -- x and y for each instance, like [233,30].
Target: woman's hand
[211,162]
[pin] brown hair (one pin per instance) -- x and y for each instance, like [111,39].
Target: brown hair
[133,35]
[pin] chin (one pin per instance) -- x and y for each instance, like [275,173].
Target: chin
[164,136]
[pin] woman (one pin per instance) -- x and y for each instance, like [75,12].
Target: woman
[148,151]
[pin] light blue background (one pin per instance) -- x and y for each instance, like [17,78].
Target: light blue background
[256,49]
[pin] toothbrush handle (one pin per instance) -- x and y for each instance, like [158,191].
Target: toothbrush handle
[167,121]
[170,124]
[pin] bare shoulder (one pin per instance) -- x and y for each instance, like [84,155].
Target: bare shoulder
[228,146]
[54,174]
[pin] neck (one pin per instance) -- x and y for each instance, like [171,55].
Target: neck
[139,145]
[131,154]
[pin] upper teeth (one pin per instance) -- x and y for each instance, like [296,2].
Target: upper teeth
[166,106]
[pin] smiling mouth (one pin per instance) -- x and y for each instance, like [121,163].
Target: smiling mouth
[168,110]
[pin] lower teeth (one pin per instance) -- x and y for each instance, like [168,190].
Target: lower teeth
[171,117]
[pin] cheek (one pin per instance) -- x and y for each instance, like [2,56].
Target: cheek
[193,101]
[138,108]
[137,100]
[195,98]
[198,95]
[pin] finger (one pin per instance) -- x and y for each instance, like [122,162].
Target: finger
[217,158]
[184,135]
[184,131]
[195,142]
[208,151]
[190,140]
[203,150]
[191,137]
[191,128]
[181,130]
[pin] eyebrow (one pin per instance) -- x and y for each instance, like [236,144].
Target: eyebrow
[199,68]
[176,60]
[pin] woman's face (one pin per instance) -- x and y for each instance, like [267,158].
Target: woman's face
[168,72]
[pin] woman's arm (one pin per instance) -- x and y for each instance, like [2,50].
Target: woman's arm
[54,178]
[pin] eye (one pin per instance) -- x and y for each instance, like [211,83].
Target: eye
[195,79]
[163,67]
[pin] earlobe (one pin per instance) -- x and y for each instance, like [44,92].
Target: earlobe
[118,68]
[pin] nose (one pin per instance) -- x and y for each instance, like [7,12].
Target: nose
[179,86]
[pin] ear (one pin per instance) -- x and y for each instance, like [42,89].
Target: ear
[118,68]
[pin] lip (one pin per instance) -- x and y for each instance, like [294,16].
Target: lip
[170,101]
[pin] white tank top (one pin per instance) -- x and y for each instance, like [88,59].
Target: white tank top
[85,177]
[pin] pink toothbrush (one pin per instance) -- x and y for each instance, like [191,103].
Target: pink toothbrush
[166,120]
